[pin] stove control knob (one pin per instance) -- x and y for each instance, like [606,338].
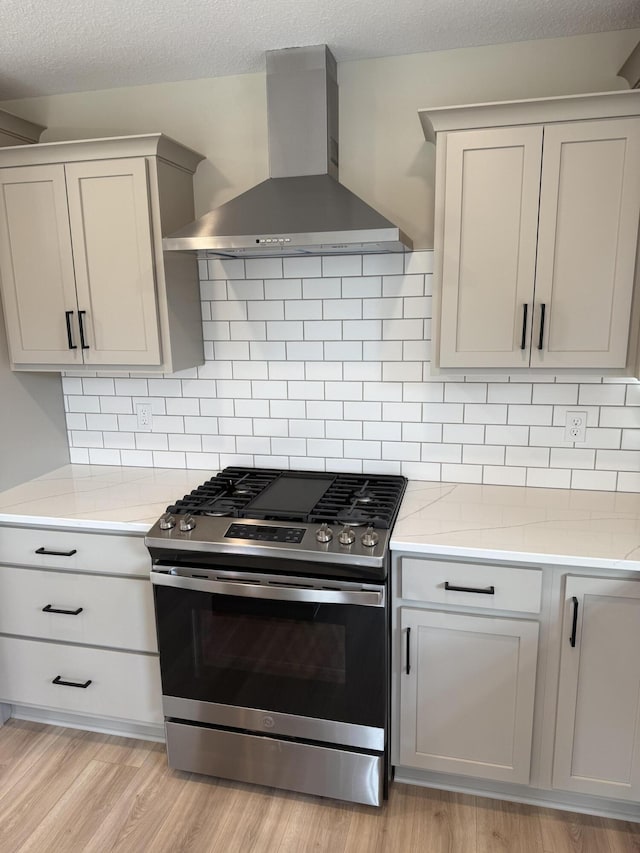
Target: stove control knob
[369,538]
[346,536]
[187,523]
[324,533]
[167,521]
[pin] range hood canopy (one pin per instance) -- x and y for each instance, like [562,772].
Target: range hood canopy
[301,209]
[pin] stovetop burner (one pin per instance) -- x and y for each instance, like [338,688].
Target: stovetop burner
[304,496]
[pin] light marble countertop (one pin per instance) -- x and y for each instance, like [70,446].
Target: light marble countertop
[511,523]
[98,497]
[543,526]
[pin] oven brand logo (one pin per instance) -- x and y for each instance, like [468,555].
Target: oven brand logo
[268,722]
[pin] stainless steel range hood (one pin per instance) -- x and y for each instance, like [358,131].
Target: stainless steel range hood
[301,209]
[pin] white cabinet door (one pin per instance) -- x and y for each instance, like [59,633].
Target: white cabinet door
[113,256]
[597,746]
[36,266]
[492,180]
[467,700]
[587,239]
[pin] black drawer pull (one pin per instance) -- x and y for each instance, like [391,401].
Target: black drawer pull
[543,311]
[50,609]
[487,590]
[408,669]
[68,315]
[59,680]
[523,340]
[57,553]
[574,624]
[83,343]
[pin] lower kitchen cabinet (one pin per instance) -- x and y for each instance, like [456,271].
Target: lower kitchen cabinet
[77,628]
[467,687]
[597,739]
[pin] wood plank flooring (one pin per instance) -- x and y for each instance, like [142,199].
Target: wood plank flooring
[67,791]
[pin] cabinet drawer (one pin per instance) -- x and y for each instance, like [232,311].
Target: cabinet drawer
[513,589]
[122,685]
[116,612]
[79,552]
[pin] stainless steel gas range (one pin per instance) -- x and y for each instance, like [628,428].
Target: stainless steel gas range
[271,596]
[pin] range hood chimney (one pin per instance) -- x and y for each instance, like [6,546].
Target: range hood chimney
[301,209]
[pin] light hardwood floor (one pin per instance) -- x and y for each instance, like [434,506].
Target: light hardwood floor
[66,791]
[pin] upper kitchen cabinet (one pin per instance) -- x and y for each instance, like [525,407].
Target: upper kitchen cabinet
[17,131]
[536,231]
[84,280]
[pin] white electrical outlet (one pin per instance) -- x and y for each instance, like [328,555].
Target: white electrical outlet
[143,412]
[575,426]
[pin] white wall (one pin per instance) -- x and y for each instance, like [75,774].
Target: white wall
[384,156]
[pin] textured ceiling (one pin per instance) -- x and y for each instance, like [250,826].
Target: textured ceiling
[78,45]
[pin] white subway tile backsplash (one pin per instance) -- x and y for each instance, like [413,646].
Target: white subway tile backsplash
[529,457]
[305,351]
[602,395]
[483,454]
[597,480]
[383,391]
[418,262]
[263,267]
[324,363]
[391,264]
[618,460]
[403,285]
[361,330]
[304,309]
[628,482]
[341,265]
[79,455]
[302,267]
[369,450]
[465,434]
[221,268]
[342,309]
[503,476]
[509,392]
[283,289]
[549,478]
[572,458]
[343,351]
[367,287]
[322,330]
[346,429]
[361,371]
[560,394]
[402,330]
[325,288]
[422,432]
[288,408]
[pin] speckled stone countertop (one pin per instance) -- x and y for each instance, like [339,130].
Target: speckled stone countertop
[98,497]
[542,526]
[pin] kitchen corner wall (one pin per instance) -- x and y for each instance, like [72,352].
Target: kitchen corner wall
[324,363]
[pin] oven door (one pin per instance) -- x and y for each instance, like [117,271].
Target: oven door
[299,657]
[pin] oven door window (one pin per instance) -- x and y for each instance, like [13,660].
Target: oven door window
[325,661]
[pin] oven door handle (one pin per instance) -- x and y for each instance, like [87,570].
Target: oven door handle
[277,592]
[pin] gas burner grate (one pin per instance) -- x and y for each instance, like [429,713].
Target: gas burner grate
[353,499]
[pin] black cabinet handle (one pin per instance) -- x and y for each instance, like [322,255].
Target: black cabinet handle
[574,623]
[543,311]
[83,343]
[57,553]
[50,609]
[523,339]
[408,668]
[67,316]
[486,590]
[59,680]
